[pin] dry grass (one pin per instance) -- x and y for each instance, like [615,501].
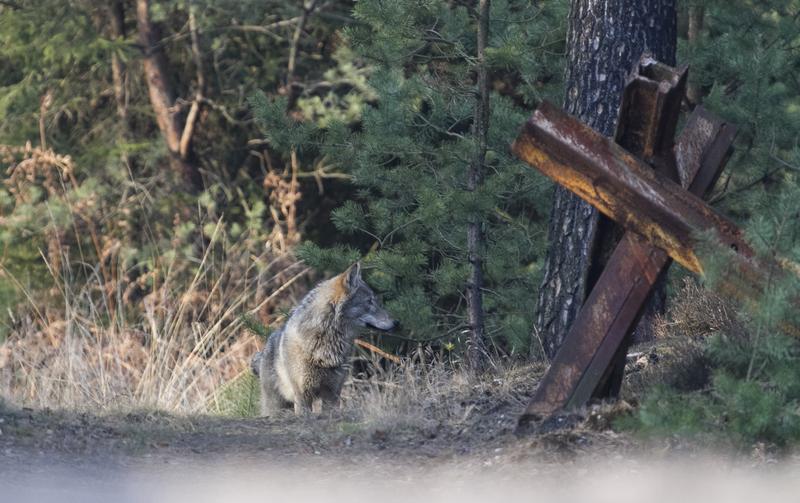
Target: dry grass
[171,351]
[677,355]
[106,333]
[424,392]
[697,313]
[182,348]
[429,392]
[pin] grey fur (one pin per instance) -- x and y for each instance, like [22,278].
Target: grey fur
[304,364]
[255,362]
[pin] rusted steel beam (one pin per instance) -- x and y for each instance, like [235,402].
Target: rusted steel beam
[648,119]
[622,187]
[705,139]
[702,168]
[616,301]
[699,135]
[613,306]
[648,115]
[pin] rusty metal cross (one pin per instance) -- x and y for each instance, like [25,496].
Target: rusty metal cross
[651,186]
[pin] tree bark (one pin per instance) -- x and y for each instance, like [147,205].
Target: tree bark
[696,16]
[162,97]
[477,353]
[605,39]
[116,14]
[117,18]
[185,144]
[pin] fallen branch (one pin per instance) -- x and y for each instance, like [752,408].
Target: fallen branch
[377,350]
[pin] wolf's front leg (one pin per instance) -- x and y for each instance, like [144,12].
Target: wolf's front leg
[332,392]
[330,403]
[303,405]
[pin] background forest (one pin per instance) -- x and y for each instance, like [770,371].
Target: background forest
[175,175]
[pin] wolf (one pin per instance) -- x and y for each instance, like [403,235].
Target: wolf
[304,363]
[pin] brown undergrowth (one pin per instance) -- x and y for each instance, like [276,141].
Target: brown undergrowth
[129,310]
[171,352]
[677,357]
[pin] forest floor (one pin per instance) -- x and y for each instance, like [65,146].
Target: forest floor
[459,446]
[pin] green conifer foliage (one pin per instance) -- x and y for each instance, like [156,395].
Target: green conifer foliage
[746,63]
[61,52]
[410,153]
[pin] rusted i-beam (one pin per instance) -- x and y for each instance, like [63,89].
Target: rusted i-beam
[659,216]
[648,115]
[641,200]
[622,187]
[648,119]
[616,301]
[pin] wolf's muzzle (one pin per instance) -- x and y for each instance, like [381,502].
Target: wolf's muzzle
[393,326]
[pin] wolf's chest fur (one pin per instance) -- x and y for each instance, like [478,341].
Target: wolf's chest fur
[312,357]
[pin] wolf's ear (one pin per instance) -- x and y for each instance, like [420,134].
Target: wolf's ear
[353,275]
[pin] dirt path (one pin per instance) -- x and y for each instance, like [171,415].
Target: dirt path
[423,416]
[130,439]
[439,442]
[155,457]
[89,444]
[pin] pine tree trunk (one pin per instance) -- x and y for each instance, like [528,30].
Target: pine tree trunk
[116,16]
[117,25]
[162,97]
[696,15]
[605,39]
[477,353]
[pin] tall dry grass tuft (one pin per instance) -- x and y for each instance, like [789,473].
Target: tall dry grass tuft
[114,326]
[171,352]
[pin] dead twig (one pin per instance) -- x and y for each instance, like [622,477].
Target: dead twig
[378,351]
[191,118]
[308,9]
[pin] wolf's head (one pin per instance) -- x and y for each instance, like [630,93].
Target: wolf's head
[361,306]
